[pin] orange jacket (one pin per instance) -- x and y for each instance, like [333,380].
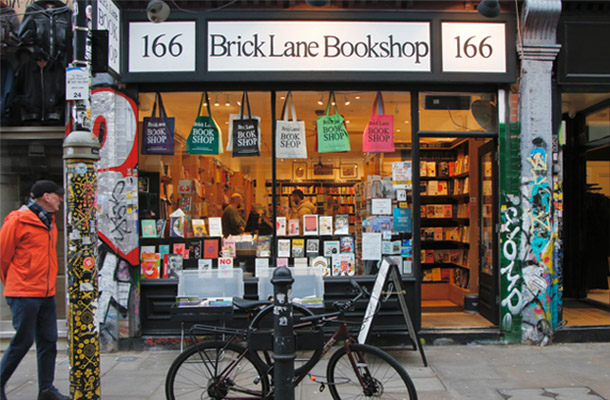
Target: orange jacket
[28,255]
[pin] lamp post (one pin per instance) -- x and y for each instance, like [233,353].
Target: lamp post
[81,150]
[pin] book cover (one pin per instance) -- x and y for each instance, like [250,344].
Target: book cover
[149,228]
[225,263]
[300,262]
[320,262]
[199,228]
[431,166]
[281,262]
[178,248]
[310,224]
[406,249]
[185,203]
[229,248]
[210,248]
[293,227]
[298,247]
[447,211]
[401,221]
[344,264]
[177,223]
[396,248]
[386,247]
[193,249]
[280,224]
[346,244]
[164,265]
[263,246]
[312,247]
[423,168]
[174,266]
[150,266]
[204,264]
[326,225]
[432,188]
[215,225]
[163,249]
[381,223]
[261,263]
[283,247]
[161,225]
[331,247]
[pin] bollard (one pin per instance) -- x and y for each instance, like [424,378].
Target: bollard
[283,335]
[81,150]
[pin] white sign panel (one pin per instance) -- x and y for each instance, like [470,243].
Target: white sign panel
[474,47]
[109,18]
[318,46]
[162,47]
[77,83]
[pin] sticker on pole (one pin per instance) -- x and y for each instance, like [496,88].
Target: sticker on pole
[77,83]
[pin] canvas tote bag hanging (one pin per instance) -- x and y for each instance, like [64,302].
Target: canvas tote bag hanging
[245,134]
[205,136]
[290,140]
[378,135]
[332,134]
[158,131]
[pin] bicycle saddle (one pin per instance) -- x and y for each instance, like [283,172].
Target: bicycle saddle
[248,305]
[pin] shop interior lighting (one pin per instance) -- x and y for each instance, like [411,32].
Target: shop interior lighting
[216,103]
[227,103]
[347,102]
[321,101]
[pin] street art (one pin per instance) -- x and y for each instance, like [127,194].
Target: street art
[82,279]
[114,117]
[539,278]
[510,230]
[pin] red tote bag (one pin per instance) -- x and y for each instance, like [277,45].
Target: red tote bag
[378,135]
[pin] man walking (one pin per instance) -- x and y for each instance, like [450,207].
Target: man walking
[28,270]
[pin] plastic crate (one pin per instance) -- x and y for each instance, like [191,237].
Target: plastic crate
[308,282]
[211,283]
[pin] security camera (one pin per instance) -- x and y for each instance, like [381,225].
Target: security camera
[157,11]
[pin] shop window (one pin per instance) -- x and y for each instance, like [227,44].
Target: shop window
[598,125]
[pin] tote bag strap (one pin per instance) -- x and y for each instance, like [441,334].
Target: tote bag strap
[378,106]
[244,99]
[204,96]
[331,98]
[154,110]
[288,102]
[162,112]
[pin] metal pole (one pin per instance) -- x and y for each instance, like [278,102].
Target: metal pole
[283,335]
[81,150]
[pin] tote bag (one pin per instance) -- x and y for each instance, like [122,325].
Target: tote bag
[205,136]
[245,135]
[290,141]
[332,134]
[158,131]
[378,135]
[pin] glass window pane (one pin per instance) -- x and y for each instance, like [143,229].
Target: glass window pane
[458,112]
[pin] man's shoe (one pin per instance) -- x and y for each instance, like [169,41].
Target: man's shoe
[52,394]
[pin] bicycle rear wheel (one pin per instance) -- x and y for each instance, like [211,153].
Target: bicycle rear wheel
[381,375]
[216,370]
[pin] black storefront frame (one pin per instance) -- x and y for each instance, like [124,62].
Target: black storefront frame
[435,80]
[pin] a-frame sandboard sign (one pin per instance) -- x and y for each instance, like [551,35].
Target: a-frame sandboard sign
[383,276]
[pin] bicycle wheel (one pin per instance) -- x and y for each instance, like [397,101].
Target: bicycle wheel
[311,337]
[377,375]
[216,370]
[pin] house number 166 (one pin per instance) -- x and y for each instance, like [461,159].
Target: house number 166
[160,47]
[471,50]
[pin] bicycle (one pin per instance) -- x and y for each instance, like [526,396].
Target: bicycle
[239,368]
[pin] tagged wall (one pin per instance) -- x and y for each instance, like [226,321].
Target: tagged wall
[114,117]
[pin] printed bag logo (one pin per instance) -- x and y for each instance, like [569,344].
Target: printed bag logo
[205,136]
[158,131]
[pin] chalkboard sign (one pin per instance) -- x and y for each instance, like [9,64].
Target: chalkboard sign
[372,308]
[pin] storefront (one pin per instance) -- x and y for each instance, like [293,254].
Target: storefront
[423,193]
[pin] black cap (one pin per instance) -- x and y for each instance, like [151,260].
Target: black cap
[41,187]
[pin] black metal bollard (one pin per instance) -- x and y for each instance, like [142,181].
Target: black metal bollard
[283,335]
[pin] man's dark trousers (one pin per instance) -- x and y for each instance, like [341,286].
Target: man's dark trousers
[33,318]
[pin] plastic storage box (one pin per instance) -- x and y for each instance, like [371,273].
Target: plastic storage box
[308,282]
[211,283]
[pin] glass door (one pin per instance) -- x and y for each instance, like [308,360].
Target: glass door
[488,244]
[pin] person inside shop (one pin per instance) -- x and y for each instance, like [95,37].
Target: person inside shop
[258,222]
[232,222]
[301,207]
[28,270]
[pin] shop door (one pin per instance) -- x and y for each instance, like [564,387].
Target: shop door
[488,242]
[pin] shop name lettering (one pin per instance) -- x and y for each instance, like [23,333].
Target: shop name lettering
[379,132]
[290,139]
[246,135]
[332,132]
[332,47]
[203,133]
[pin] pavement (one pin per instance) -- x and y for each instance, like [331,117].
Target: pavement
[573,371]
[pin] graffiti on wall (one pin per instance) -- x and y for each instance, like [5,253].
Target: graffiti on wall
[114,117]
[539,287]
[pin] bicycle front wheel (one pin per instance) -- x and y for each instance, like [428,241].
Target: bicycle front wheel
[215,370]
[367,372]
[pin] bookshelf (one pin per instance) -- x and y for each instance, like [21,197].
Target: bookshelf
[446,221]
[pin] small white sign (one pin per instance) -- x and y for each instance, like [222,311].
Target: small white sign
[77,83]
[474,47]
[162,47]
[382,207]
[109,18]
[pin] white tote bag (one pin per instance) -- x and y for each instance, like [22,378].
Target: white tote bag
[290,141]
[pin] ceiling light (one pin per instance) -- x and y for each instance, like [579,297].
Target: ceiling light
[357,97]
[228,103]
[347,121]
[239,103]
[347,102]
[216,102]
[321,101]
